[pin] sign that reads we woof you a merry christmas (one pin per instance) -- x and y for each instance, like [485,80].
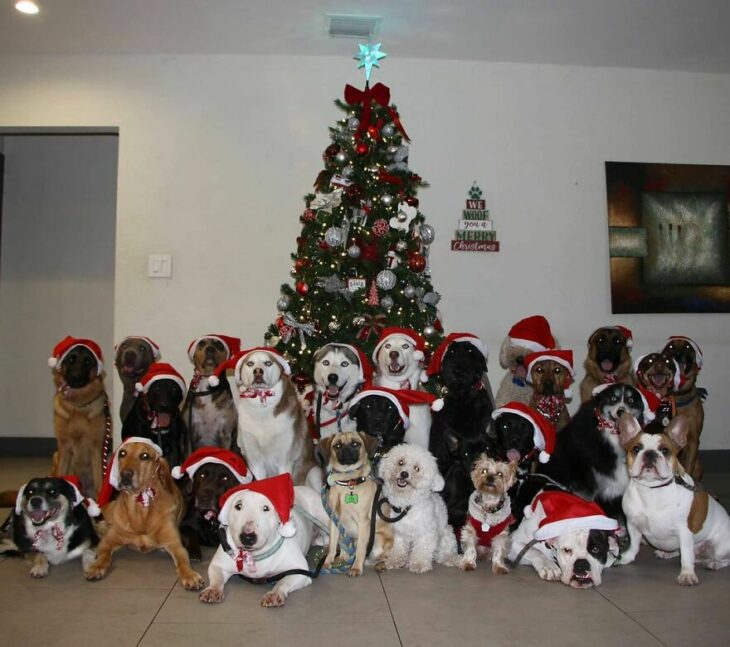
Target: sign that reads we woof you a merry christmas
[476,231]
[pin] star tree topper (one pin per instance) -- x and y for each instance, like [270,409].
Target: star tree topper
[368,57]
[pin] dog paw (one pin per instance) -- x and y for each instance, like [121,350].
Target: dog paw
[714,564]
[211,596]
[95,572]
[468,565]
[39,571]
[499,569]
[665,554]
[273,599]
[355,571]
[688,579]
[420,567]
[192,581]
[549,572]
[380,567]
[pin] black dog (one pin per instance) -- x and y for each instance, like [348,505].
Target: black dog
[377,416]
[515,442]
[156,415]
[588,458]
[52,523]
[202,493]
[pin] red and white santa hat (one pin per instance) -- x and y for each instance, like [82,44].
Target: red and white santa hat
[627,335]
[402,399]
[562,357]
[111,478]
[277,489]
[677,380]
[434,366]
[231,344]
[79,499]
[565,512]
[544,436]
[649,401]
[217,455]
[366,368]
[156,353]
[240,357]
[159,371]
[67,344]
[691,342]
[416,339]
[533,333]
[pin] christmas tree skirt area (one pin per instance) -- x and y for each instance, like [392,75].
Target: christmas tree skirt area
[141,603]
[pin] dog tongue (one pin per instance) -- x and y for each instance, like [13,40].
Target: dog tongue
[394,366]
[513,455]
[606,365]
[37,515]
[163,420]
[333,391]
[658,380]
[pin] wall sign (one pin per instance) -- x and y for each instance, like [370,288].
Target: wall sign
[475,231]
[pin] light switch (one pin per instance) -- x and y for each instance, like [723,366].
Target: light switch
[159,266]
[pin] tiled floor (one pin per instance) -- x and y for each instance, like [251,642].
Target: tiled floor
[140,603]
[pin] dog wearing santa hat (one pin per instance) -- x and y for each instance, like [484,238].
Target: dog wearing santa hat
[267,527]
[272,428]
[550,372]
[204,477]
[209,413]
[608,360]
[688,398]
[340,371]
[146,511]
[52,523]
[156,412]
[133,356]
[565,538]
[81,417]
[528,335]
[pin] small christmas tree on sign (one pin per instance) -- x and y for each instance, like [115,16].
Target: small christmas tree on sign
[362,258]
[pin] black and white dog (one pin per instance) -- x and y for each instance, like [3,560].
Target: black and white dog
[340,370]
[52,523]
[589,459]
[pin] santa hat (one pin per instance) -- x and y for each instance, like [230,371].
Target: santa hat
[111,478]
[533,333]
[651,403]
[402,399]
[418,341]
[678,379]
[565,512]
[79,499]
[159,371]
[622,329]
[155,348]
[239,358]
[231,344]
[217,455]
[562,357]
[434,366]
[691,342]
[366,368]
[544,434]
[66,345]
[277,489]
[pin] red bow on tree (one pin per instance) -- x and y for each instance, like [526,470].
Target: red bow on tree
[381,95]
[374,325]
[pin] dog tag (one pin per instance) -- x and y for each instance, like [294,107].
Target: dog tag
[351,498]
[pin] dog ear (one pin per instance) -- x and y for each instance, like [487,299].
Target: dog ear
[165,476]
[677,430]
[352,411]
[324,448]
[628,427]
[438,482]
[370,442]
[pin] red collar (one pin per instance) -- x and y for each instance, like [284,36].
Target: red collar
[485,537]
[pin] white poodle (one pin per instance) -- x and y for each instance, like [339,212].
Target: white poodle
[411,482]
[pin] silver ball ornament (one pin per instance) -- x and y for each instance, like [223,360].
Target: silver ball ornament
[353,123]
[409,291]
[428,233]
[388,130]
[401,246]
[385,280]
[341,158]
[353,251]
[429,331]
[333,325]
[348,171]
[283,303]
[334,237]
[386,199]
[392,150]
[386,302]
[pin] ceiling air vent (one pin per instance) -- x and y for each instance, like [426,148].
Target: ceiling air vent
[344,26]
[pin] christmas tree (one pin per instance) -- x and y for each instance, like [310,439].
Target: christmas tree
[362,258]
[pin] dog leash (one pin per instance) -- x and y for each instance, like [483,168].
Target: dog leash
[106,450]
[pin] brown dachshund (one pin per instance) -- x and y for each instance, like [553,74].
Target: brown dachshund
[146,513]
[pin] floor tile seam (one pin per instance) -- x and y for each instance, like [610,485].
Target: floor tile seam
[634,620]
[162,604]
[390,610]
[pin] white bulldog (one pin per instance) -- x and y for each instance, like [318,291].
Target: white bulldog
[664,505]
[266,534]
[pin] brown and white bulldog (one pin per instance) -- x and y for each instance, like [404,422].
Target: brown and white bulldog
[664,505]
[608,360]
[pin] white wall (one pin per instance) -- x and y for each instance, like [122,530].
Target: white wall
[216,153]
[57,272]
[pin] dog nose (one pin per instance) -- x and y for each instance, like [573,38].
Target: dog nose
[489,480]
[620,411]
[36,502]
[129,357]
[258,372]
[332,378]
[581,566]
[126,475]
[248,539]
[393,354]
[404,475]
[650,457]
[210,351]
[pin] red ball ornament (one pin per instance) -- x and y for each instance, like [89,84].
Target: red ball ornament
[412,200]
[362,148]
[369,252]
[354,193]
[309,215]
[380,227]
[416,262]
[373,132]
[322,244]
[301,264]
[330,152]
[302,288]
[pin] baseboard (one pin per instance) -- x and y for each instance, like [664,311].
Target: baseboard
[24,446]
[715,460]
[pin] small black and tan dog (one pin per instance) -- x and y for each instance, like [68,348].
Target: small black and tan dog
[133,357]
[156,412]
[204,477]
[51,523]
